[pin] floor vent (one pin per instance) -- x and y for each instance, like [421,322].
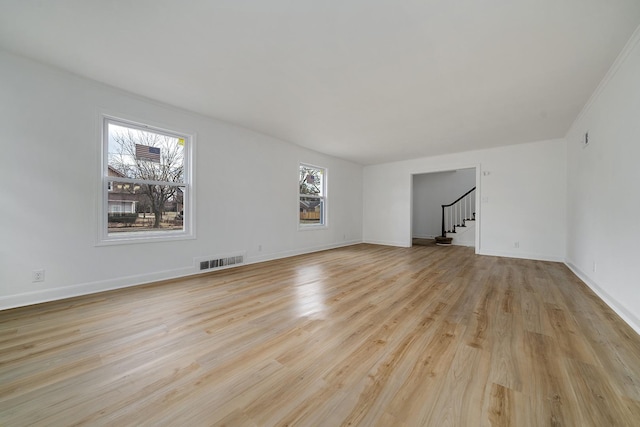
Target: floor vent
[221,262]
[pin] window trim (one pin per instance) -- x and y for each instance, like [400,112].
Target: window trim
[325,198]
[188,232]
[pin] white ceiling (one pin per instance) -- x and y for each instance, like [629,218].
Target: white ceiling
[366,80]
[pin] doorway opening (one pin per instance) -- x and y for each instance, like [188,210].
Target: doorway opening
[458,222]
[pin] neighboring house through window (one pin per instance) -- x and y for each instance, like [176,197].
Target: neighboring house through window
[122,197]
[312,196]
[147,183]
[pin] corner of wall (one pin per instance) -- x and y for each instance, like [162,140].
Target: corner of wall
[621,311]
[592,184]
[617,63]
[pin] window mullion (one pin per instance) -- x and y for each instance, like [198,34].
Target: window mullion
[144,181]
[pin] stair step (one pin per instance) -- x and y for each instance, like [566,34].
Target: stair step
[443,240]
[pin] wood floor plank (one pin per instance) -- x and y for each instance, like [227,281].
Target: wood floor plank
[460,399]
[501,406]
[592,391]
[363,335]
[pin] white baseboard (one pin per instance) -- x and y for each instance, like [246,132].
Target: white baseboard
[387,243]
[467,244]
[287,254]
[54,294]
[629,318]
[520,255]
[424,236]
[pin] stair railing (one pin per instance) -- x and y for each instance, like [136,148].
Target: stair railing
[455,214]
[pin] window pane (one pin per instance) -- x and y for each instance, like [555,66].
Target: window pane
[138,154]
[311,210]
[311,180]
[142,207]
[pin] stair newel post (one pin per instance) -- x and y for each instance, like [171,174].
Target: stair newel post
[444,231]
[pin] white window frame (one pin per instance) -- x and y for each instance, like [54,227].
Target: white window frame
[106,183]
[324,197]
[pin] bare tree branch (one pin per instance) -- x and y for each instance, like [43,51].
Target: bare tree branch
[170,168]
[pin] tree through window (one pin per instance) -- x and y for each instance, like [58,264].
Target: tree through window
[312,196]
[146,181]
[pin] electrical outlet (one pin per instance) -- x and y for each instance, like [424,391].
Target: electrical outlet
[516,245]
[259,248]
[38,276]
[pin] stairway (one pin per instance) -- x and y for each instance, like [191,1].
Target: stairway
[459,221]
[465,235]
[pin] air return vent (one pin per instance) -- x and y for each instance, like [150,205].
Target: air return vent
[216,263]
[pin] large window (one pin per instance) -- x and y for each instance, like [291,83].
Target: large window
[146,181]
[312,196]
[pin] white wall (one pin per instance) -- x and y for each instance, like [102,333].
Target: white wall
[430,192]
[604,188]
[525,194]
[49,172]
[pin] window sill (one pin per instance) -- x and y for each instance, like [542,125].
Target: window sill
[312,227]
[131,238]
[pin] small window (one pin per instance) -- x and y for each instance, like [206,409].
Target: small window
[146,183]
[312,196]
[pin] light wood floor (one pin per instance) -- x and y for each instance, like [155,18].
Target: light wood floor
[364,335]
